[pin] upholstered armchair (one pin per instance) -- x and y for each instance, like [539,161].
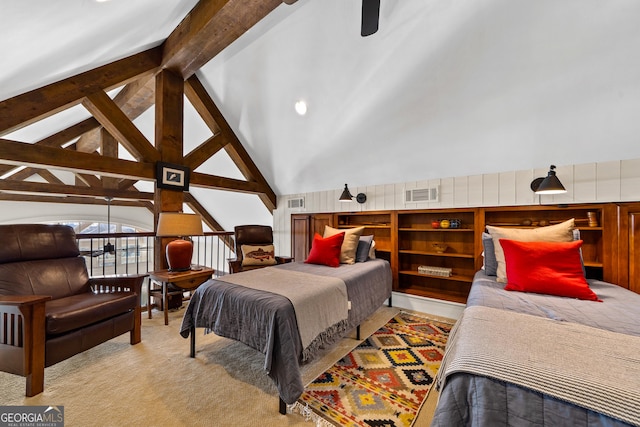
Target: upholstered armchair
[254,248]
[50,309]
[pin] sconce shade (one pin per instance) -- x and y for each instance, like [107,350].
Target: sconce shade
[175,224]
[548,185]
[346,195]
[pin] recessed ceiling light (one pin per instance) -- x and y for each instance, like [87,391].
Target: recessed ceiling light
[301,108]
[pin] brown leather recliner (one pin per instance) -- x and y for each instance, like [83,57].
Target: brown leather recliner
[254,235]
[50,309]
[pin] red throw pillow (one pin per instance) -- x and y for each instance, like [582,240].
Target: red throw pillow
[552,268]
[326,251]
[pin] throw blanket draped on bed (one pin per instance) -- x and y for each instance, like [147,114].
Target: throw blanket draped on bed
[317,323]
[551,357]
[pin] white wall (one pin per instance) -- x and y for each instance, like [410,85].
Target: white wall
[610,181]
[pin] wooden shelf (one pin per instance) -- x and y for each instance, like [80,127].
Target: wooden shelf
[365,226]
[441,230]
[438,254]
[406,237]
[454,277]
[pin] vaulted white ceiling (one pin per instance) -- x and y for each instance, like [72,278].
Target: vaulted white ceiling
[445,88]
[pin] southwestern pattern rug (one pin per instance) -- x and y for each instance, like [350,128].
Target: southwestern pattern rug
[383,381]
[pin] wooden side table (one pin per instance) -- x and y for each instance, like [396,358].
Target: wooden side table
[183,280]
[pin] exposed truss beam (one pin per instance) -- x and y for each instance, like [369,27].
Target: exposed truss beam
[74,190]
[22,110]
[211,26]
[112,118]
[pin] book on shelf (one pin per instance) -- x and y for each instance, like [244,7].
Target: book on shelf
[435,271]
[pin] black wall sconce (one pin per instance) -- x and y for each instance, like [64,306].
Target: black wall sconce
[346,196]
[549,184]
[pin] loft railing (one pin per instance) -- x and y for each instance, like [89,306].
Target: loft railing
[133,253]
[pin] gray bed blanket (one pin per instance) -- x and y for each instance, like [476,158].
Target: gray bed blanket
[317,323]
[560,359]
[266,321]
[619,310]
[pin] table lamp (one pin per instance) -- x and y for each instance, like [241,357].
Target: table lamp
[177,224]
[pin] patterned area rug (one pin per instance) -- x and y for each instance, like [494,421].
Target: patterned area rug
[384,380]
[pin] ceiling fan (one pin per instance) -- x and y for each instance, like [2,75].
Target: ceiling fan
[370,17]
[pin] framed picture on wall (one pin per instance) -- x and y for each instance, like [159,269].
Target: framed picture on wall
[172,177]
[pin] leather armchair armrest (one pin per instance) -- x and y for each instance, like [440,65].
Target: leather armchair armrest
[117,283]
[283,259]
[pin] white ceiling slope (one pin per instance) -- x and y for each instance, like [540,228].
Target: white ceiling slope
[444,88]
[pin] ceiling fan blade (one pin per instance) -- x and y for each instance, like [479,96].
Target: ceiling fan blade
[370,16]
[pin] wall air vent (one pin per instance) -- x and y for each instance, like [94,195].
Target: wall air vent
[297,203]
[415,195]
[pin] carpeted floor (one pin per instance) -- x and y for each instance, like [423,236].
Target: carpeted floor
[155,383]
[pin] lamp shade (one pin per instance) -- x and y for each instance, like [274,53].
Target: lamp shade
[175,224]
[548,185]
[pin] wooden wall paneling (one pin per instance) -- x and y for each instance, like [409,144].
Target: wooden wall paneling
[629,245]
[479,227]
[300,232]
[610,222]
[634,250]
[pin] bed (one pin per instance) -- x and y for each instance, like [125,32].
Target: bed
[581,358]
[268,322]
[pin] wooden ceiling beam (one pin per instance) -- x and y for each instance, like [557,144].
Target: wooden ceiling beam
[211,26]
[48,176]
[203,103]
[62,189]
[208,219]
[225,184]
[134,99]
[196,206]
[74,161]
[118,124]
[204,151]
[60,138]
[22,110]
[22,174]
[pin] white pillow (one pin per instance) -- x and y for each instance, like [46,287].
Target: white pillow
[349,244]
[562,232]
